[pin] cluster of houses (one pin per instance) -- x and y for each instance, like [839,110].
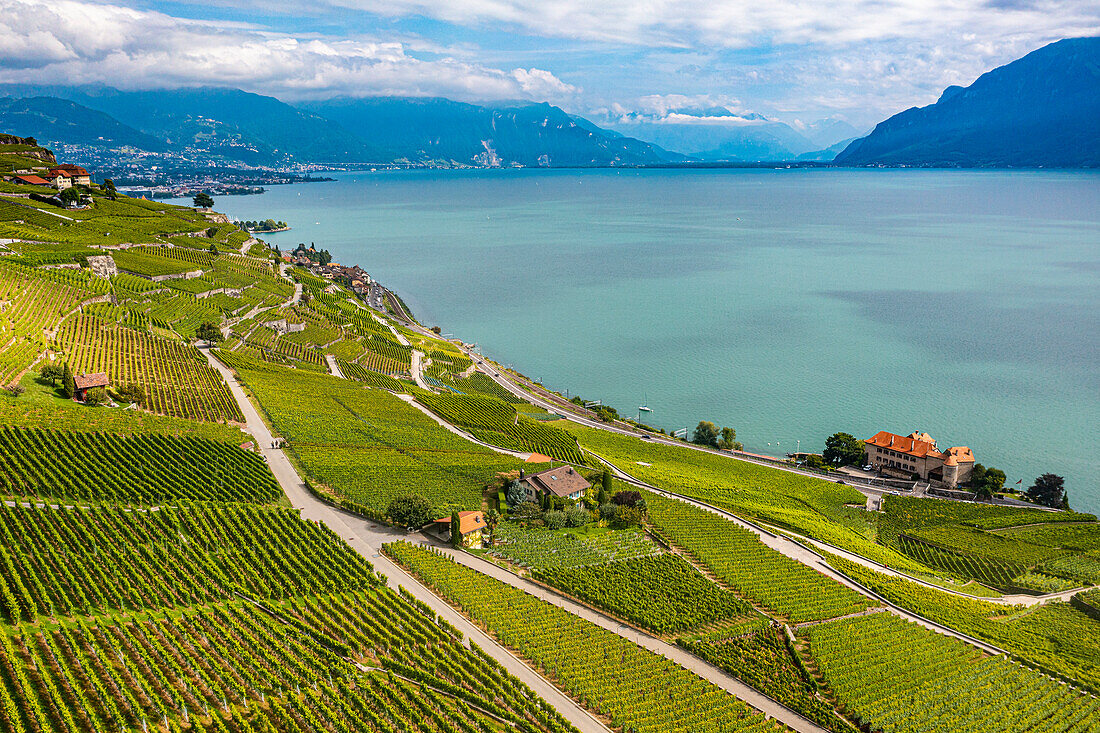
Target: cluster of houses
[354,277]
[916,455]
[563,482]
[65,175]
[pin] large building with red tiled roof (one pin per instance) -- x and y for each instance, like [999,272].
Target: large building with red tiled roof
[916,454]
[76,175]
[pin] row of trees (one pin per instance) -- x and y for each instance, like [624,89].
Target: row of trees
[708,434]
[266,225]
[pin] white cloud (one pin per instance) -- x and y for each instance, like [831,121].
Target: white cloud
[739,23]
[73,42]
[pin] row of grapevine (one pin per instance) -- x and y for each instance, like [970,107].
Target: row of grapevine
[81,561]
[238,668]
[32,304]
[1038,636]
[176,378]
[638,690]
[753,570]
[898,677]
[497,422]
[536,547]
[663,592]
[367,445]
[146,469]
[760,655]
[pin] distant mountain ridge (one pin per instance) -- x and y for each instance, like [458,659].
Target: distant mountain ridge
[717,134]
[260,130]
[1042,110]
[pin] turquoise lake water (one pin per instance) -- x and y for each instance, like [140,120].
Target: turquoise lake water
[789,304]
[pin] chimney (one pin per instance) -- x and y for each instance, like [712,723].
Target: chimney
[521,474]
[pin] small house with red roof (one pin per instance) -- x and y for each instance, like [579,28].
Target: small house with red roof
[916,455]
[563,482]
[85,382]
[470,524]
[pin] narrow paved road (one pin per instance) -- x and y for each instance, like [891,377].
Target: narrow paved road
[400,339]
[367,537]
[685,659]
[333,367]
[415,370]
[459,431]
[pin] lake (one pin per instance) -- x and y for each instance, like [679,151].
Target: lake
[789,304]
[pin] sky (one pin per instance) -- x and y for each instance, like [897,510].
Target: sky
[796,61]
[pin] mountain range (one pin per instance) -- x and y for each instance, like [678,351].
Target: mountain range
[259,130]
[719,134]
[1042,110]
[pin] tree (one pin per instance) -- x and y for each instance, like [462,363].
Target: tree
[213,250]
[410,510]
[456,530]
[626,498]
[96,396]
[1049,490]
[525,511]
[985,482]
[69,196]
[209,333]
[729,441]
[203,200]
[605,488]
[68,383]
[843,449]
[514,493]
[109,189]
[554,519]
[52,372]
[606,414]
[15,390]
[813,460]
[995,479]
[134,393]
[576,516]
[492,519]
[706,433]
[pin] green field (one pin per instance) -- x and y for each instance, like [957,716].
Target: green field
[754,571]
[898,677]
[143,469]
[496,422]
[176,378]
[367,445]
[662,593]
[537,547]
[1039,635]
[760,656]
[811,506]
